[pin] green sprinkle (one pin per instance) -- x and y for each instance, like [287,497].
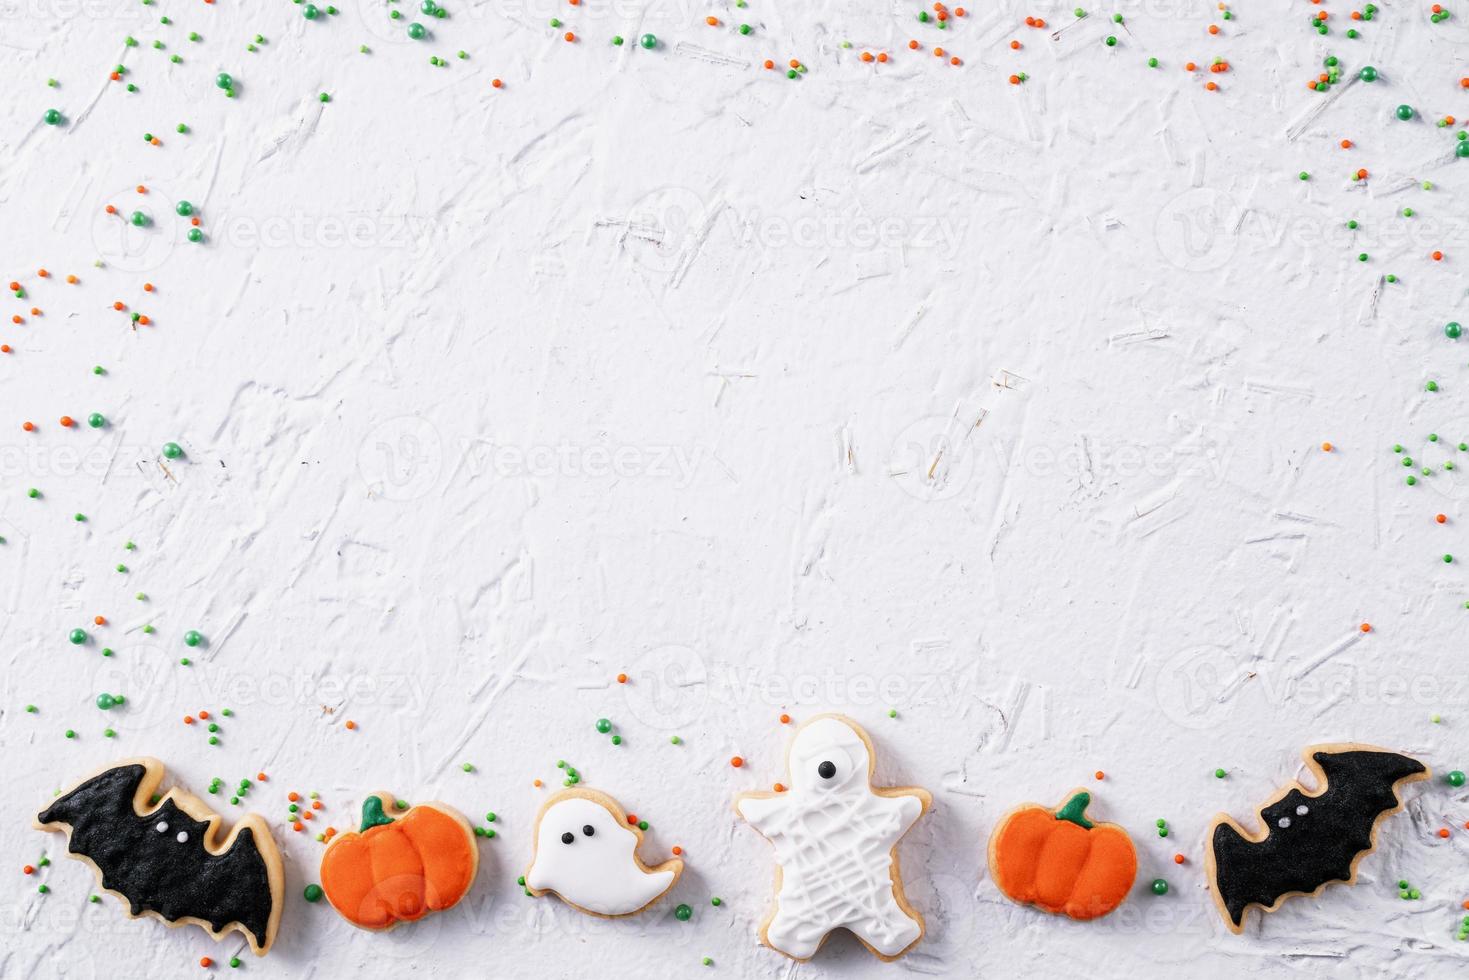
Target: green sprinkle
[716,901]
[467,767]
[1220,774]
[675,740]
[312,893]
[683,913]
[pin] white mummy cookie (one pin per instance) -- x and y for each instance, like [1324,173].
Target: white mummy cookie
[586,855]
[835,840]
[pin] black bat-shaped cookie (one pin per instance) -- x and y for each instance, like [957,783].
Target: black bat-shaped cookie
[1308,841]
[161,858]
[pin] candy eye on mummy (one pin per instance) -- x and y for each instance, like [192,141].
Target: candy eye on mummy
[588,830]
[827,770]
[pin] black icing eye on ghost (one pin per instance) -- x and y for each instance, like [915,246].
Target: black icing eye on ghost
[827,770]
[568,837]
[588,830]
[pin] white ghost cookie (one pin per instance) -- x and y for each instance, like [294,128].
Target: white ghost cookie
[586,855]
[835,840]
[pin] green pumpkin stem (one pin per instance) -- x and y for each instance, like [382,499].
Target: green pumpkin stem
[372,814]
[1075,810]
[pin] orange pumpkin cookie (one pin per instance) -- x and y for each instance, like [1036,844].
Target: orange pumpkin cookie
[1061,862]
[399,870]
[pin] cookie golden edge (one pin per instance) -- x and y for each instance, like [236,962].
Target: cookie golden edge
[154,772]
[389,803]
[896,868]
[675,865]
[1313,767]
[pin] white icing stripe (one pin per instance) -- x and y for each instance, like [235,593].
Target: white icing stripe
[597,872]
[833,839]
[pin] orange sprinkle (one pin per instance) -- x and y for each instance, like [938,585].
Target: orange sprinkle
[316,804]
[110,209]
[1437,256]
[1213,28]
[307,815]
[1040,22]
[942,16]
[115,76]
[958,11]
[293,796]
[1326,447]
[1030,22]
[1362,174]
[568,37]
[866,55]
[1321,15]
[677,850]
[119,305]
[66,421]
[795,63]
[536,783]
[1178,859]
[912,45]
[770,64]
[712,21]
[4,348]
[1346,144]
[261,777]
[188,719]
[298,826]
[622,678]
[28,869]
[737,762]
[1014,79]
[780,787]
[497,83]
[785,719]
[1100,774]
[1212,86]
[205,962]
[42,273]
[142,189]
[938,52]
[954,60]
[1189,66]
[100,620]
[35,311]
[882,58]
[204,715]
[1014,45]
[147,287]
[144,320]
[28,426]
[351,725]
[194,222]
[72,280]
[632,818]
[1441,518]
[1443,832]
[17,319]
[1366,627]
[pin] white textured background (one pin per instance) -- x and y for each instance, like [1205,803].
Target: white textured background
[642,364]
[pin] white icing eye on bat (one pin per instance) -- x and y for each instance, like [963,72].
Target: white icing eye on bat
[1302,810]
[1283,822]
[183,837]
[162,827]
